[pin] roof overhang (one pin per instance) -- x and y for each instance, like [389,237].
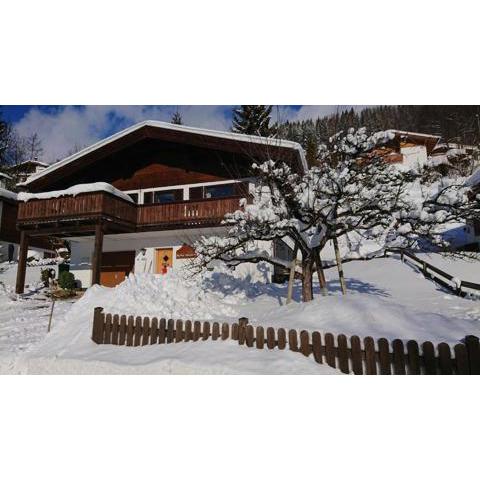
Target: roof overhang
[247,144]
[425,139]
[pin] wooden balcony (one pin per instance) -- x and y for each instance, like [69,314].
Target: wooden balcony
[186,214]
[79,214]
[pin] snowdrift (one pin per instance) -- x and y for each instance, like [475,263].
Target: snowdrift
[164,296]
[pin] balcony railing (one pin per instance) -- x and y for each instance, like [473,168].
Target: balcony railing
[85,205]
[102,205]
[188,213]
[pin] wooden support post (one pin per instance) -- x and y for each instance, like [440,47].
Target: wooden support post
[320,272]
[339,266]
[97,254]
[291,277]
[22,262]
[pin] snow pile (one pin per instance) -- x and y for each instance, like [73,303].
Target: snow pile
[164,296]
[74,191]
[474,179]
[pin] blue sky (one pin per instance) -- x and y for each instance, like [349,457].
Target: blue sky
[63,127]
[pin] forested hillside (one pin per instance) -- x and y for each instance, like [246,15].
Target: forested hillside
[454,123]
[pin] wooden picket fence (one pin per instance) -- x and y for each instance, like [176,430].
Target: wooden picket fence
[348,355]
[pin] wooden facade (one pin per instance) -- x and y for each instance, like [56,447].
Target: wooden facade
[156,157]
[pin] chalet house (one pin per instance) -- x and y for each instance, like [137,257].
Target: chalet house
[23,170]
[138,200]
[4,178]
[409,150]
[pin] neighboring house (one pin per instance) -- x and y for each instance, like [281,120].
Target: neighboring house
[10,236]
[138,200]
[409,150]
[23,170]
[4,178]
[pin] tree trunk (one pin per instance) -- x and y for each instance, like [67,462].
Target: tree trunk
[320,272]
[307,270]
[339,266]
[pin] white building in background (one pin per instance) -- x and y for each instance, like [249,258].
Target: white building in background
[409,150]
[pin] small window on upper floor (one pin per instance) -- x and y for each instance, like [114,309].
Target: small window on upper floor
[219,191]
[163,196]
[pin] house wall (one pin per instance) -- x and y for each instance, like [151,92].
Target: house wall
[414,156]
[145,245]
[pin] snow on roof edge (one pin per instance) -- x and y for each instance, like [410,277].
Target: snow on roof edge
[404,132]
[7,194]
[74,191]
[170,126]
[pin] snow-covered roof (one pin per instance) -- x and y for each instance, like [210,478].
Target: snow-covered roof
[30,162]
[73,191]
[170,126]
[7,194]
[414,134]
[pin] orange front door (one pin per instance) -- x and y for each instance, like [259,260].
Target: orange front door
[164,260]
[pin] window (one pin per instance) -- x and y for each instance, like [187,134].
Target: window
[163,196]
[219,191]
[168,196]
[148,197]
[133,196]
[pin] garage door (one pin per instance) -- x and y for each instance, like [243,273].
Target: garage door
[115,267]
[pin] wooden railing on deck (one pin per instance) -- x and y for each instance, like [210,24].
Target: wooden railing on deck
[96,204]
[82,205]
[188,212]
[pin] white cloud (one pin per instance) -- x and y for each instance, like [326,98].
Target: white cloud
[68,126]
[61,130]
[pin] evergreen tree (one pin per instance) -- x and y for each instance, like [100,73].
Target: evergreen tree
[311,151]
[176,118]
[454,123]
[253,120]
[4,136]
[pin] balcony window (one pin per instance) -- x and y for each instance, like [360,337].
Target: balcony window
[219,191]
[163,196]
[133,196]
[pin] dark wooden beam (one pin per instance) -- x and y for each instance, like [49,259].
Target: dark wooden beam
[22,262]
[77,227]
[97,254]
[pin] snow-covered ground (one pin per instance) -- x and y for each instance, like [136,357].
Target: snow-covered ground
[385,299]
